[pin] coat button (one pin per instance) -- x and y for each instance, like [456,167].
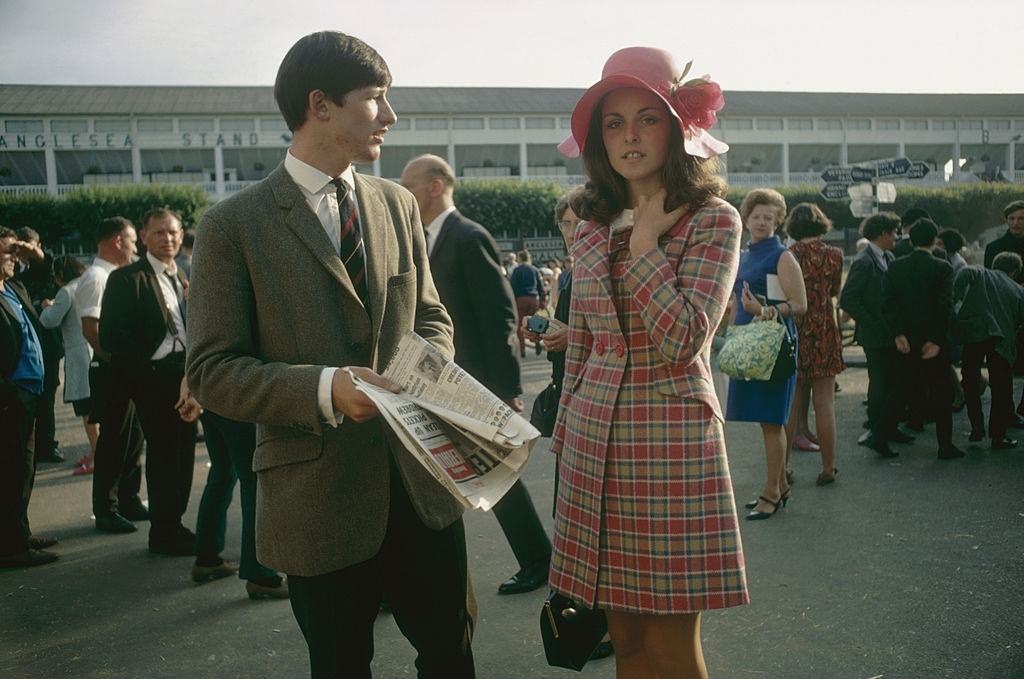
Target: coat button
[599,349]
[620,350]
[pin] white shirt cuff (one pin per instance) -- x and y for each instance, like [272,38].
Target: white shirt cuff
[324,400]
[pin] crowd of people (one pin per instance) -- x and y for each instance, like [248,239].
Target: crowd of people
[646,528]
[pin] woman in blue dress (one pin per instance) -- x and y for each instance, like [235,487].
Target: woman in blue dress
[769,285]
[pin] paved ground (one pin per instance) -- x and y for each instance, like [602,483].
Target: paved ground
[911,568]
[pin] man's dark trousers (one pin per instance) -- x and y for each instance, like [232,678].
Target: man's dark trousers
[884,390]
[1000,379]
[170,442]
[118,469]
[17,469]
[422,574]
[934,395]
[46,425]
[522,527]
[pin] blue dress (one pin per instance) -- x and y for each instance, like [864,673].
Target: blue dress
[753,400]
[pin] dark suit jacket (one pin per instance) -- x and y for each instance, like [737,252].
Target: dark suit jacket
[11,339]
[1005,243]
[270,306]
[133,318]
[861,297]
[469,279]
[918,295]
[40,284]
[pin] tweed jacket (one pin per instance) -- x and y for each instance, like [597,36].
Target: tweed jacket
[63,313]
[270,306]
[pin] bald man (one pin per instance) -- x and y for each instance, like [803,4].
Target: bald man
[472,286]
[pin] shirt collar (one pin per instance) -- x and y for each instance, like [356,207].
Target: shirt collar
[159,267]
[435,226]
[311,179]
[623,221]
[104,264]
[879,252]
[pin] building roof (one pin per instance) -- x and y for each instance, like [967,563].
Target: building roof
[101,100]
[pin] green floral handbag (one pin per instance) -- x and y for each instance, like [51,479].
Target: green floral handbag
[760,350]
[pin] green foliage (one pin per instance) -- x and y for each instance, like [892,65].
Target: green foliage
[969,208]
[510,207]
[71,218]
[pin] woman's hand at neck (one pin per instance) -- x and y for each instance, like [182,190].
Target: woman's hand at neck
[650,221]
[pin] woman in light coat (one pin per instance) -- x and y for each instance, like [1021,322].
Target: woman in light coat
[62,311]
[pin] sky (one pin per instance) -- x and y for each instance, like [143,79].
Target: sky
[780,45]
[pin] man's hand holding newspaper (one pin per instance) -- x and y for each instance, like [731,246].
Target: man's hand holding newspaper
[472,442]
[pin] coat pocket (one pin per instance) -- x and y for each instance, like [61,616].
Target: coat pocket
[279,446]
[687,385]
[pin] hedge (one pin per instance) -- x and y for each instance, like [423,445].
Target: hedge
[71,218]
[503,207]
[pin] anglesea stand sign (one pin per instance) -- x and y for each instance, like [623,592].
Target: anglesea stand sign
[861,185]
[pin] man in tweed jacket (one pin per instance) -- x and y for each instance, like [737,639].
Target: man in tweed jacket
[277,320]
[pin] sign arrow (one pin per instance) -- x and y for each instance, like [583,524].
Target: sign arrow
[918,170]
[847,175]
[836,191]
[896,167]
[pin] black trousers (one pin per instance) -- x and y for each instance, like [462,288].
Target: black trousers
[885,394]
[118,468]
[170,442]
[522,527]
[46,425]
[1000,378]
[17,469]
[932,393]
[422,572]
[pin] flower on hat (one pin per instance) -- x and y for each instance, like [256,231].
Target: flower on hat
[697,101]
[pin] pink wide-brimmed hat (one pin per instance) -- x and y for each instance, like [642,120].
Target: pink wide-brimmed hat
[693,103]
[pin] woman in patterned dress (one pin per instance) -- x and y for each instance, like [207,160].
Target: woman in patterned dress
[645,522]
[820,357]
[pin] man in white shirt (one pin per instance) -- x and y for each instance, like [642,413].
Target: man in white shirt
[300,282]
[118,469]
[143,327]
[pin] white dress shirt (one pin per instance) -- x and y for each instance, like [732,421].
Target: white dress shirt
[880,255]
[434,228]
[91,285]
[171,342]
[322,198]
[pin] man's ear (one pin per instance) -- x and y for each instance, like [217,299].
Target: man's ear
[316,105]
[436,187]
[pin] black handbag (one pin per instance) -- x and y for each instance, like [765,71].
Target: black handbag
[785,364]
[545,409]
[570,632]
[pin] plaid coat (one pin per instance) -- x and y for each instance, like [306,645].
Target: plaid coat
[645,518]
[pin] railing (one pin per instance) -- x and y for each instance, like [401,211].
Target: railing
[754,179]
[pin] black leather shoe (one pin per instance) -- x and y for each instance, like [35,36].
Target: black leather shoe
[1004,443]
[135,512]
[27,559]
[899,436]
[53,456]
[975,436]
[603,650]
[950,453]
[755,515]
[526,580]
[1016,423]
[880,447]
[114,523]
[863,438]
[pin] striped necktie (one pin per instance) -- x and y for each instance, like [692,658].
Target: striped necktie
[352,252]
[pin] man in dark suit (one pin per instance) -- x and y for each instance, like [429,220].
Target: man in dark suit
[1013,239]
[918,305]
[862,298]
[298,283]
[143,327]
[21,383]
[467,273]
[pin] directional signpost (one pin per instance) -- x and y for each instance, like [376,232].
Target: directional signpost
[860,183]
[918,170]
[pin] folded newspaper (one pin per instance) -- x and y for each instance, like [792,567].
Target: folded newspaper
[470,440]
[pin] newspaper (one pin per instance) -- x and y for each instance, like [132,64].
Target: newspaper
[469,440]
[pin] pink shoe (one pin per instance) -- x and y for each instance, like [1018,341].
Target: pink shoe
[83,469]
[801,442]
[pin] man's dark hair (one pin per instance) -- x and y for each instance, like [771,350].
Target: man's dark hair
[1013,207]
[157,213]
[875,225]
[914,214]
[188,239]
[806,220]
[923,233]
[68,268]
[1008,262]
[110,227]
[27,233]
[952,241]
[7,233]
[330,61]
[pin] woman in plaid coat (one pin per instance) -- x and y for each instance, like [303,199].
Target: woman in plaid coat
[645,524]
